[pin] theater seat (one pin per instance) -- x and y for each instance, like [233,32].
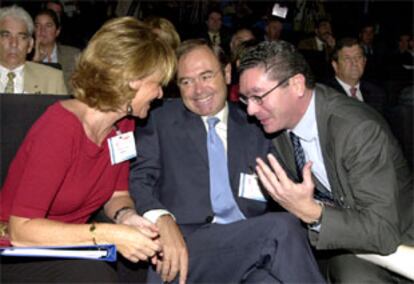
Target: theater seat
[18,112]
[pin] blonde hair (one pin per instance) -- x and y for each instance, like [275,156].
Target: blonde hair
[121,51]
[165,29]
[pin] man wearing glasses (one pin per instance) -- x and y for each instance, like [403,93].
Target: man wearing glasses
[210,210]
[337,166]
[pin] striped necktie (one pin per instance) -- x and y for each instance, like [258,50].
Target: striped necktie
[320,193]
[10,83]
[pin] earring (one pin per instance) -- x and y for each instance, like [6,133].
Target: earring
[130,110]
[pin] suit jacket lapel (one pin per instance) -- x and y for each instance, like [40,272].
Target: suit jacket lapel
[194,128]
[29,80]
[238,144]
[285,155]
[326,147]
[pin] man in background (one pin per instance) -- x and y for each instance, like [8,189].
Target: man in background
[17,74]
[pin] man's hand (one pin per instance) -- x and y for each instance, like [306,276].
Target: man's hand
[174,258]
[297,198]
[131,218]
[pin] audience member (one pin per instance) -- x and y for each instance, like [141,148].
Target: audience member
[209,208]
[72,161]
[400,67]
[317,49]
[215,33]
[239,36]
[374,52]
[235,61]
[68,35]
[48,50]
[17,74]
[273,29]
[348,62]
[343,172]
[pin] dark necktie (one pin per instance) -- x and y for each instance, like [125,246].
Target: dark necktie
[224,206]
[10,83]
[353,92]
[320,193]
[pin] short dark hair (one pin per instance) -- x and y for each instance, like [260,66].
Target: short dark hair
[344,42]
[322,20]
[280,60]
[52,14]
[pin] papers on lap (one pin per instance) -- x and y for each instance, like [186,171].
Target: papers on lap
[401,261]
[98,252]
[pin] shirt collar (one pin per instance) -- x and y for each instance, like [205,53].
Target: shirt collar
[345,86]
[223,115]
[18,71]
[306,129]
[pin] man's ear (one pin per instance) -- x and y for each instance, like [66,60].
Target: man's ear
[30,47]
[298,84]
[227,73]
[58,32]
[135,85]
[334,66]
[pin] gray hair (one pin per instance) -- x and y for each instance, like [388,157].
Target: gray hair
[17,12]
[280,60]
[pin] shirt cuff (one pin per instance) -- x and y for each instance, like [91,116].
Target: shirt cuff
[153,215]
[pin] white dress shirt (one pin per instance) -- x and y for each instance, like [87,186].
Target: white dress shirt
[307,131]
[53,57]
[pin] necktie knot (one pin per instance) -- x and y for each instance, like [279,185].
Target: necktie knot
[11,75]
[212,121]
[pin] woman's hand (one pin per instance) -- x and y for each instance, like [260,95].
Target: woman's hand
[134,243]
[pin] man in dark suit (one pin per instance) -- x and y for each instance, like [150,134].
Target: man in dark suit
[173,184]
[318,48]
[214,31]
[338,167]
[348,62]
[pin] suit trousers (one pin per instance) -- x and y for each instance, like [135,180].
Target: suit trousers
[272,248]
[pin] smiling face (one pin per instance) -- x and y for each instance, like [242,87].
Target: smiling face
[15,42]
[147,90]
[202,82]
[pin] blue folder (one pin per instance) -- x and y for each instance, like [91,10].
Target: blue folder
[96,252]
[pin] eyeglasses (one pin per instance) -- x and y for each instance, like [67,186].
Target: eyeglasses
[259,99]
[205,77]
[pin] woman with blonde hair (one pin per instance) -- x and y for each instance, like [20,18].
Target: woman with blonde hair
[165,29]
[74,160]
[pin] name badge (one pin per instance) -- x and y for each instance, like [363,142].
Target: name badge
[122,147]
[249,188]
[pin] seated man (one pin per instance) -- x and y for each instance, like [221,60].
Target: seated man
[348,62]
[16,74]
[206,200]
[343,172]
